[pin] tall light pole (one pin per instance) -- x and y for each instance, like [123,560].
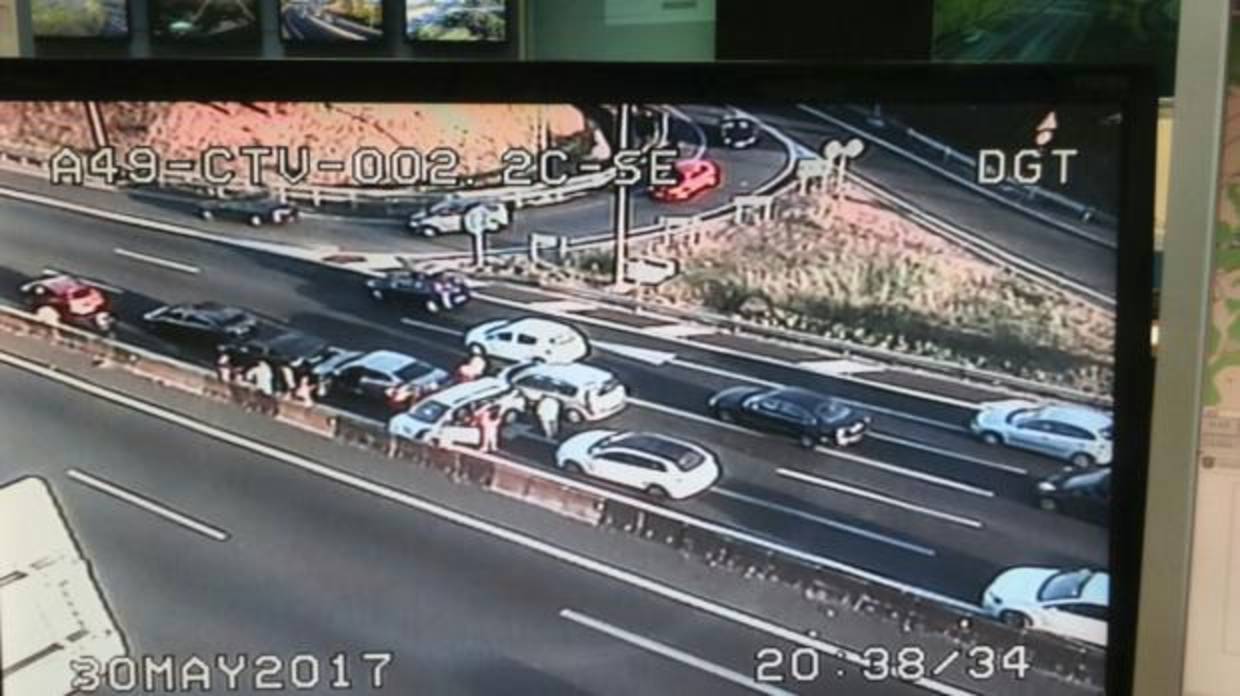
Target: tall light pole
[621,212]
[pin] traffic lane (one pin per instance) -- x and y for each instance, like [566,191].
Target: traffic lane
[444,600]
[906,545]
[1051,33]
[1075,257]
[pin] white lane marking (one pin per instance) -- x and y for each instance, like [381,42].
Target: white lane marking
[878,497]
[712,348]
[671,653]
[430,327]
[698,133]
[562,306]
[835,368]
[680,330]
[149,505]
[839,454]
[826,522]
[157,261]
[948,453]
[564,555]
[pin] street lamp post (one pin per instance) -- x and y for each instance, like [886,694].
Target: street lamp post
[621,213]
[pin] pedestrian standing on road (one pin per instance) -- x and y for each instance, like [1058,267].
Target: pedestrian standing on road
[490,421]
[474,367]
[305,390]
[288,380]
[263,378]
[548,411]
[224,367]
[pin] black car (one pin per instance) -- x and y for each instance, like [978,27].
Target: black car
[810,417]
[431,291]
[1084,495]
[255,211]
[738,133]
[202,323]
[280,347]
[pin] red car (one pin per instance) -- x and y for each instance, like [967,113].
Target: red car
[69,300]
[694,177]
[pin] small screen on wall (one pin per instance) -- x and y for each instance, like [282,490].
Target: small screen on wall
[331,21]
[207,20]
[1060,31]
[456,20]
[80,18]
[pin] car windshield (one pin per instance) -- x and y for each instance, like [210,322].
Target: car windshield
[685,458]
[413,371]
[429,412]
[1019,415]
[1107,433]
[832,410]
[231,317]
[1066,585]
[81,293]
[608,386]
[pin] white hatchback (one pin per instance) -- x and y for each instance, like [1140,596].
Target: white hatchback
[1071,603]
[528,339]
[443,417]
[661,466]
[585,393]
[1080,435]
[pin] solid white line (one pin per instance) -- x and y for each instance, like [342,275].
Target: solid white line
[430,327]
[566,556]
[664,650]
[837,453]
[878,497]
[156,261]
[148,505]
[826,522]
[948,453]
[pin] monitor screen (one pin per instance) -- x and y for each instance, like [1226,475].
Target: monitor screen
[466,21]
[807,381]
[334,21]
[215,21]
[80,18]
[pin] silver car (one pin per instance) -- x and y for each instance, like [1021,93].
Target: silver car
[585,393]
[1078,434]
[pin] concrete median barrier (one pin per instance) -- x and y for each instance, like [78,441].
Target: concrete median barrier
[168,375]
[517,483]
[366,434]
[306,417]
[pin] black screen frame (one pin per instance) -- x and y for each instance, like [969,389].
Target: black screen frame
[1131,87]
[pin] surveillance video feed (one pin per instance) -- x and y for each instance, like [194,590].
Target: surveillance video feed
[331,21]
[1050,31]
[205,20]
[456,20]
[80,18]
[457,398]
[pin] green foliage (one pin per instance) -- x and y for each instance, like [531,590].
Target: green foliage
[85,18]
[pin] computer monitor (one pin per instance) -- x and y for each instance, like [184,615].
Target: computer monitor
[573,378]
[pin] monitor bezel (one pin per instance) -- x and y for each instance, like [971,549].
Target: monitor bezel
[1130,87]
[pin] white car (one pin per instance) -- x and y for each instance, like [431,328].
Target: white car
[443,417]
[1071,603]
[585,393]
[528,339]
[661,466]
[1081,435]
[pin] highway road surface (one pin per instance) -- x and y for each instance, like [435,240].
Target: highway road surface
[302,23]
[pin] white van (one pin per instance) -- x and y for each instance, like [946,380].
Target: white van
[443,417]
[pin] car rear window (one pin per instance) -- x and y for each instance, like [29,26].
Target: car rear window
[81,293]
[609,386]
[429,412]
[1107,433]
[685,458]
[229,317]
[832,410]
[1065,585]
[413,371]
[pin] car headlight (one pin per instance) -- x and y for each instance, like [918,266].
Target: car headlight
[1046,487]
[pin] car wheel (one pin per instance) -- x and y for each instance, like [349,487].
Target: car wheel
[572,467]
[377,294]
[432,307]
[510,416]
[990,437]
[656,491]
[726,416]
[477,349]
[1081,460]
[206,215]
[1048,504]
[256,220]
[1015,619]
[574,416]
[808,441]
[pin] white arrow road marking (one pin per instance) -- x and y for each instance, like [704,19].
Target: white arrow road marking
[664,650]
[157,261]
[646,355]
[149,505]
[878,498]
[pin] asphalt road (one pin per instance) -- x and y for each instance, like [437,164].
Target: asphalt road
[300,24]
[923,504]
[1067,254]
[313,567]
[1033,32]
